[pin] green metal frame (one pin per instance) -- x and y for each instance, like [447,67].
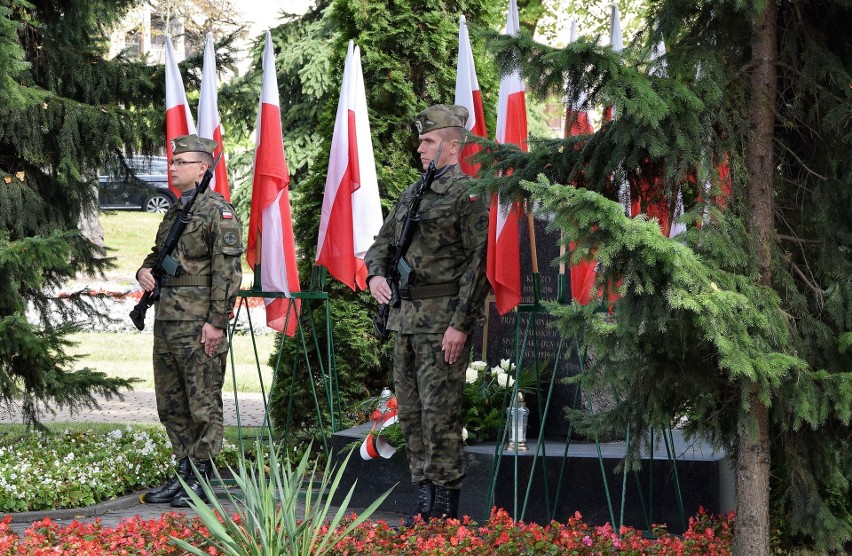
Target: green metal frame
[325,356]
[530,311]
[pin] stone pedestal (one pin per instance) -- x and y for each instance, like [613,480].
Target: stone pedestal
[705,480]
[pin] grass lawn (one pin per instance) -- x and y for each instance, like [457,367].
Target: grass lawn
[128,355]
[129,235]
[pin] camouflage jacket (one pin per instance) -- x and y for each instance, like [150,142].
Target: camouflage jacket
[448,248]
[209,248]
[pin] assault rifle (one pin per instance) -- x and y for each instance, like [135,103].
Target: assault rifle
[399,270]
[166,265]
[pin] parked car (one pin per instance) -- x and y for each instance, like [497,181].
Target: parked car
[148,190]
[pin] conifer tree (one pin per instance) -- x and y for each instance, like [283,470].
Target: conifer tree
[742,325]
[64,112]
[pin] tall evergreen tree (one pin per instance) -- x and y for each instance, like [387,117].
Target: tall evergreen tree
[742,324]
[64,112]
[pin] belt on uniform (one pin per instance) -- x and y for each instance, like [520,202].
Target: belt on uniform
[196,280]
[433,290]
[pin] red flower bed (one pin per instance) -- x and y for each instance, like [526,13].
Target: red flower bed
[131,536]
[707,535]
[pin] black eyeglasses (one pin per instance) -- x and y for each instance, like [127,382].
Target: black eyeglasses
[180,163]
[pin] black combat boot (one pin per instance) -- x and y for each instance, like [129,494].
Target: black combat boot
[193,483]
[168,491]
[446,504]
[425,499]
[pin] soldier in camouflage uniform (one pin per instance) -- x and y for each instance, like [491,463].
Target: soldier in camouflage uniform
[438,311]
[190,344]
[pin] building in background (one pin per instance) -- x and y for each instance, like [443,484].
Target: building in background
[142,32]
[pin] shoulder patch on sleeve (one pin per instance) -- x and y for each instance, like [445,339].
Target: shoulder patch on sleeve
[227,214]
[230,239]
[482,223]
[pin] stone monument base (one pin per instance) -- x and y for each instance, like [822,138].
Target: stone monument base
[706,479]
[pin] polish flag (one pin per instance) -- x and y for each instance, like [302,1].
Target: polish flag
[351,210]
[577,118]
[677,227]
[504,266]
[178,116]
[209,123]
[469,96]
[616,41]
[577,123]
[670,226]
[270,239]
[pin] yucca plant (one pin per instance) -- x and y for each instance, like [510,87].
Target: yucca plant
[265,521]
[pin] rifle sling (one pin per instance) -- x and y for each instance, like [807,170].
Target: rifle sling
[426,292]
[175,281]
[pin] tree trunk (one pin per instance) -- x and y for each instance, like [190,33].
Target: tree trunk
[90,223]
[753,459]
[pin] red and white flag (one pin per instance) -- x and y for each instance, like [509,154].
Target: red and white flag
[469,96]
[504,266]
[577,120]
[270,235]
[209,123]
[351,210]
[616,41]
[675,227]
[178,115]
[577,123]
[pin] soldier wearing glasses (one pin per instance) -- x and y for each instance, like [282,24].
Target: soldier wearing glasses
[192,314]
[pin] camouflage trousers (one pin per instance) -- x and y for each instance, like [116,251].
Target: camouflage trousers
[188,387]
[430,394]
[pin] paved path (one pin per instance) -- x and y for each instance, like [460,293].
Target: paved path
[140,406]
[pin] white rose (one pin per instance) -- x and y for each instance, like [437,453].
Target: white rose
[507,365]
[464,434]
[478,366]
[505,380]
[495,371]
[471,375]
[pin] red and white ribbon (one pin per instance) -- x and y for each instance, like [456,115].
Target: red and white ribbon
[374,445]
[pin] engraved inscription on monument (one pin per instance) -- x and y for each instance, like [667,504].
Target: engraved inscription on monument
[540,344]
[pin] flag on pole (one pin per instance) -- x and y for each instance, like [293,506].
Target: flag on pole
[209,123]
[178,115]
[650,196]
[503,264]
[351,210]
[469,96]
[270,235]
[576,119]
[577,123]
[677,227]
[669,225]
[617,43]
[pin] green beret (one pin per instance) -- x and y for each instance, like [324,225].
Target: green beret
[193,144]
[439,117]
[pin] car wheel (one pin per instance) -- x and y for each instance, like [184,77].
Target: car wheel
[158,203]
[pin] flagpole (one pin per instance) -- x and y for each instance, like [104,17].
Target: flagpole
[257,281]
[561,293]
[534,258]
